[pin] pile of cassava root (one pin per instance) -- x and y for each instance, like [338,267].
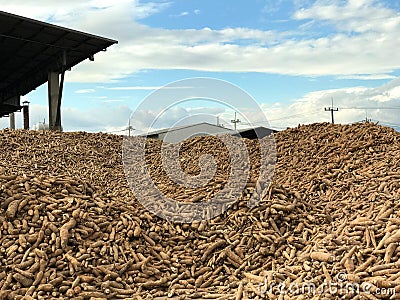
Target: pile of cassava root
[328,227]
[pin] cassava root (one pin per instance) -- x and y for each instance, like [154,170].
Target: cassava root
[72,229]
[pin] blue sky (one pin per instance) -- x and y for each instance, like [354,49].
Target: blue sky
[291,56]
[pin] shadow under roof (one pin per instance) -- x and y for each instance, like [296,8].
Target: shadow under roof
[30,49]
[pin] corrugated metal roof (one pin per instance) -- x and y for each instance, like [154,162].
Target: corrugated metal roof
[29,49]
[165,130]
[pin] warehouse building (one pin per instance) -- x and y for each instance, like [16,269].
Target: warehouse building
[180,133]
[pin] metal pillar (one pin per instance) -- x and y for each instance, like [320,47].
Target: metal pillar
[54,89]
[25,112]
[12,121]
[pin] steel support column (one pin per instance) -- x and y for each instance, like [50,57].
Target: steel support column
[12,120]
[54,101]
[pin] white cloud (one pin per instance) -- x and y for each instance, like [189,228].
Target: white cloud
[354,104]
[140,47]
[352,15]
[98,97]
[272,6]
[112,100]
[47,9]
[64,11]
[378,104]
[363,45]
[186,13]
[98,118]
[85,91]
[174,116]
[368,77]
[341,54]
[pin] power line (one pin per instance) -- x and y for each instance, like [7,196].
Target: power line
[116,131]
[384,107]
[296,115]
[267,122]
[388,123]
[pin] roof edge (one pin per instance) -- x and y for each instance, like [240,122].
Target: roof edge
[58,27]
[181,127]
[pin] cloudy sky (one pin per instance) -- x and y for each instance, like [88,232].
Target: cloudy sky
[292,56]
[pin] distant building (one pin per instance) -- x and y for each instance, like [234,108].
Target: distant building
[180,133]
[40,126]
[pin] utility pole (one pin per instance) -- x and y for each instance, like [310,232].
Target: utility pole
[235,121]
[366,117]
[129,128]
[331,109]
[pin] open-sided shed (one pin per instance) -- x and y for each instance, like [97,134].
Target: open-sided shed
[34,52]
